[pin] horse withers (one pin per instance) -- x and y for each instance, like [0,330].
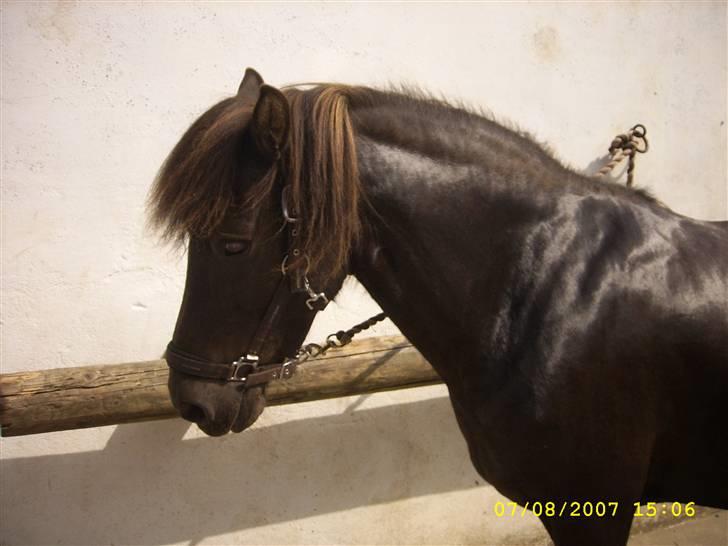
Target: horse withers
[581,327]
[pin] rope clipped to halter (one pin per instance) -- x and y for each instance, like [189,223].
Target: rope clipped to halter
[287,369]
[627,145]
[340,338]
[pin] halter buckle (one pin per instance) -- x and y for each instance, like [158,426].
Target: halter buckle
[287,215]
[285,268]
[287,370]
[248,363]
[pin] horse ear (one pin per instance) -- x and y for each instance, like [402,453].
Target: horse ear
[271,121]
[249,88]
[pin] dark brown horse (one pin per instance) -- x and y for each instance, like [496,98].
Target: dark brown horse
[580,326]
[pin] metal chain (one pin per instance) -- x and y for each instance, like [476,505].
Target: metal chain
[627,145]
[335,340]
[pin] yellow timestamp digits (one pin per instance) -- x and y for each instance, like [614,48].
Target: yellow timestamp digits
[550,509]
[653,509]
[587,509]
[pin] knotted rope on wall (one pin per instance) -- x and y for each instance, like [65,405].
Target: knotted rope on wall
[626,145]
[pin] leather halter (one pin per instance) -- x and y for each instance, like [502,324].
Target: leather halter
[247,368]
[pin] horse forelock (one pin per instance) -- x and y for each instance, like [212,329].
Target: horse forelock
[199,181]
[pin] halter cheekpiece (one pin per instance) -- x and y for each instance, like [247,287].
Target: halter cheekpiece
[247,368]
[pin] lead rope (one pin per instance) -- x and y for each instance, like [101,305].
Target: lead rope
[334,341]
[626,145]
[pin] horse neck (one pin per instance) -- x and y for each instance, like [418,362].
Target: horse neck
[446,225]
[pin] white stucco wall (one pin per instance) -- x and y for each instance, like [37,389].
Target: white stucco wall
[94,95]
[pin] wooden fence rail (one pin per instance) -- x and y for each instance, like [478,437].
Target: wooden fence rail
[94,396]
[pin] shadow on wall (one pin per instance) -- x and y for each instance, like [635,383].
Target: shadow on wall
[149,486]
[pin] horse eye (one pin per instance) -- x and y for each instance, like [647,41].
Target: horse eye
[236,247]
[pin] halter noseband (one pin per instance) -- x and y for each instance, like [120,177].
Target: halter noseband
[247,368]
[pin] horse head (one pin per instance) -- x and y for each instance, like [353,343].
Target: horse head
[233,189]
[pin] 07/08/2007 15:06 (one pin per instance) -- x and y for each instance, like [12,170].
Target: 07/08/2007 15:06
[587,509]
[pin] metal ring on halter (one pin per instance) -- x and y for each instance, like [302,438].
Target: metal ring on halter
[284,206]
[284,268]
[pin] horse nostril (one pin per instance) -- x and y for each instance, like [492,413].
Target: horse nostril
[193,413]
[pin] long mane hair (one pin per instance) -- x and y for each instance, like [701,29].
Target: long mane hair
[201,181]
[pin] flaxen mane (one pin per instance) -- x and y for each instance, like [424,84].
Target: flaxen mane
[322,169]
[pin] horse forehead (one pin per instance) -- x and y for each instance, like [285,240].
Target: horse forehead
[240,224]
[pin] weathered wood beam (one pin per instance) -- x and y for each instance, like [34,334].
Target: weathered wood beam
[94,396]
